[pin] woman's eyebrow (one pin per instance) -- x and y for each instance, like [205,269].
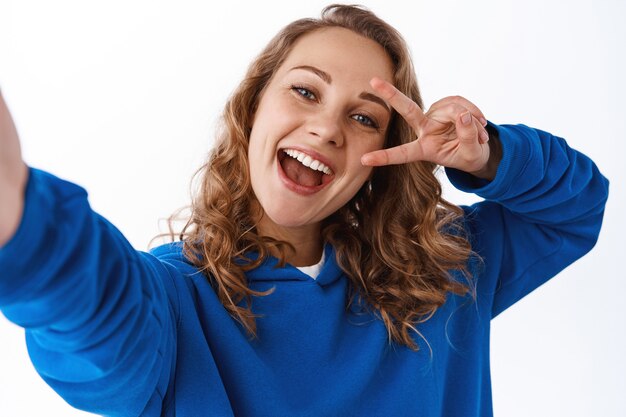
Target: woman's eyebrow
[375,99]
[328,80]
[323,75]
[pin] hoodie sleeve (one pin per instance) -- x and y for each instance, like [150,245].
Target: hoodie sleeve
[542,211]
[99,316]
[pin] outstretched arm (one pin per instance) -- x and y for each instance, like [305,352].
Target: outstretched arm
[99,316]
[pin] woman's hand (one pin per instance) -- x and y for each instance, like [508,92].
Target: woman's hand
[451,133]
[13,176]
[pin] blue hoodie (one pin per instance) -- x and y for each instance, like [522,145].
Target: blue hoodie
[121,332]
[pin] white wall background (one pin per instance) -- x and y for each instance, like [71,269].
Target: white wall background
[121,97]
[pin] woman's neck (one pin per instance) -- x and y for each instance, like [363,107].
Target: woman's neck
[306,240]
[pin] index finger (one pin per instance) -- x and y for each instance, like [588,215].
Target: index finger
[406,107]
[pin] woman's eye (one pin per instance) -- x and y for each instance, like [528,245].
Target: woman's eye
[304,92]
[364,120]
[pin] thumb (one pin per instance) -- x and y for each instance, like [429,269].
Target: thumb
[402,154]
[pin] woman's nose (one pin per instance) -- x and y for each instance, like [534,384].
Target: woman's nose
[326,126]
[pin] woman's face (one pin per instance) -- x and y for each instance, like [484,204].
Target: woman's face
[315,119]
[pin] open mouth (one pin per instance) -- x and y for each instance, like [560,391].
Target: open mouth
[305,173]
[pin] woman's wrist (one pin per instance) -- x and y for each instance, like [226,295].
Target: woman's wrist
[488,172]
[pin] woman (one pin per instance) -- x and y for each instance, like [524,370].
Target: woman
[321,272]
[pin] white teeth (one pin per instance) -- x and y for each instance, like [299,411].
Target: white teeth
[307,161]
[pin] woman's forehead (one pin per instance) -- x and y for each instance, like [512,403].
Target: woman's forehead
[340,52]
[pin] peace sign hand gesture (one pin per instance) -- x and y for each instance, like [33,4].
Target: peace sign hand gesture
[451,133]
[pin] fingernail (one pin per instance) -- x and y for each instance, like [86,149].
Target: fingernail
[484,136]
[376,82]
[483,121]
[466,118]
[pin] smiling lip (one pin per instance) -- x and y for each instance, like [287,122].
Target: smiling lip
[313,155]
[295,187]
